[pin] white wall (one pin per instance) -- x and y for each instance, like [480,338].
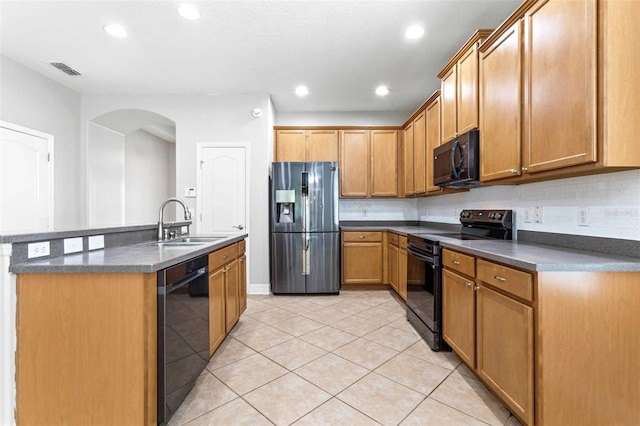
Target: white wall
[148,177]
[343,118]
[201,118]
[612,200]
[105,177]
[33,101]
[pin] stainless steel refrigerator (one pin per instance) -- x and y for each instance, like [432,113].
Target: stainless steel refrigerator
[304,232]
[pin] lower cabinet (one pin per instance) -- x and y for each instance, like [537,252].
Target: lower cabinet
[362,258]
[403,268]
[227,291]
[488,321]
[394,269]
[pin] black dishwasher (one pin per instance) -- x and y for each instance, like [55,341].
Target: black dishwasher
[183,331]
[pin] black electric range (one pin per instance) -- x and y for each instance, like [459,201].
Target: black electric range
[424,268]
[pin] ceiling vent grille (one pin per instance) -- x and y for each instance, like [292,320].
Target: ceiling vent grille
[65,68]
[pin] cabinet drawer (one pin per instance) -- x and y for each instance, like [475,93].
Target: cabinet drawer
[242,247]
[513,281]
[462,263]
[362,236]
[393,239]
[403,242]
[222,256]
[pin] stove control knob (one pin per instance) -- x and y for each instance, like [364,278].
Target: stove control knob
[491,214]
[498,216]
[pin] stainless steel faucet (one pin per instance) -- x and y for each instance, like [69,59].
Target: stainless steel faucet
[187,215]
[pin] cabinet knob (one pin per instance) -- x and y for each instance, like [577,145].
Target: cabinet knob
[468,284]
[361,237]
[476,288]
[225,256]
[455,262]
[524,169]
[499,278]
[513,171]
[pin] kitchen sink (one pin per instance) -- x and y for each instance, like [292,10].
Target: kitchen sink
[185,242]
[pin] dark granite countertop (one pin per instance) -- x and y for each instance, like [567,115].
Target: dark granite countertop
[524,255]
[143,257]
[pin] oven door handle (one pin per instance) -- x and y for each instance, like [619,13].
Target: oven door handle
[430,260]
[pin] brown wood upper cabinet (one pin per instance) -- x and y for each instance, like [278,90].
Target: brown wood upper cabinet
[459,89]
[306,145]
[368,163]
[573,118]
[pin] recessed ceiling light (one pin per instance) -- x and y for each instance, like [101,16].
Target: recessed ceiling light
[382,91]
[302,91]
[189,11]
[115,30]
[414,32]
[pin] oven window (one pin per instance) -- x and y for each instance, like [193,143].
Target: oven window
[422,281]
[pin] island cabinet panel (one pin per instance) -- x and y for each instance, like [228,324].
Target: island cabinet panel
[217,312]
[587,344]
[242,285]
[560,86]
[232,302]
[500,118]
[86,349]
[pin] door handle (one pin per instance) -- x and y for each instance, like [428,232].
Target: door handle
[240,227]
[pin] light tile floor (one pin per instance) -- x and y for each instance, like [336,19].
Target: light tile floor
[351,359]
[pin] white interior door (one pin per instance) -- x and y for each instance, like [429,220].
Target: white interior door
[26,180]
[222,189]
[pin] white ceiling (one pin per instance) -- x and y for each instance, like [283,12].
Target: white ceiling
[341,50]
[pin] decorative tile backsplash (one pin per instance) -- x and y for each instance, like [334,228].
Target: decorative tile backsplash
[605,205]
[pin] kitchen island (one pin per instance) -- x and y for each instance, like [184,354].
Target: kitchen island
[87,332]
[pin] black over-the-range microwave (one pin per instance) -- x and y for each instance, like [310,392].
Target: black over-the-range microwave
[456,163]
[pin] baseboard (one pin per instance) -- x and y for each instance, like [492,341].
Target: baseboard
[259,289]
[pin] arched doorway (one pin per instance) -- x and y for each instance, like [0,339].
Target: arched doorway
[130,167]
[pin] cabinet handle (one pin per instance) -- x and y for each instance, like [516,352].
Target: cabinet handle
[524,169]
[225,256]
[361,237]
[499,278]
[468,284]
[455,262]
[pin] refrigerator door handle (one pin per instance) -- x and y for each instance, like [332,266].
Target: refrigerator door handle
[306,254]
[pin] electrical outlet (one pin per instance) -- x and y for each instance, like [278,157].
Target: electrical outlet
[96,242]
[38,249]
[73,245]
[364,212]
[527,215]
[539,214]
[583,216]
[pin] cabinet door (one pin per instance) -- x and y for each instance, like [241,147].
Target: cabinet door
[560,49]
[467,90]
[458,315]
[407,142]
[393,266]
[290,145]
[448,98]
[403,276]
[217,330]
[505,350]
[384,163]
[419,154]
[433,140]
[362,263]
[242,284]
[500,109]
[322,145]
[354,163]
[231,295]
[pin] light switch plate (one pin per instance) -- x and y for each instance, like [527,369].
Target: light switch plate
[190,192]
[73,245]
[527,215]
